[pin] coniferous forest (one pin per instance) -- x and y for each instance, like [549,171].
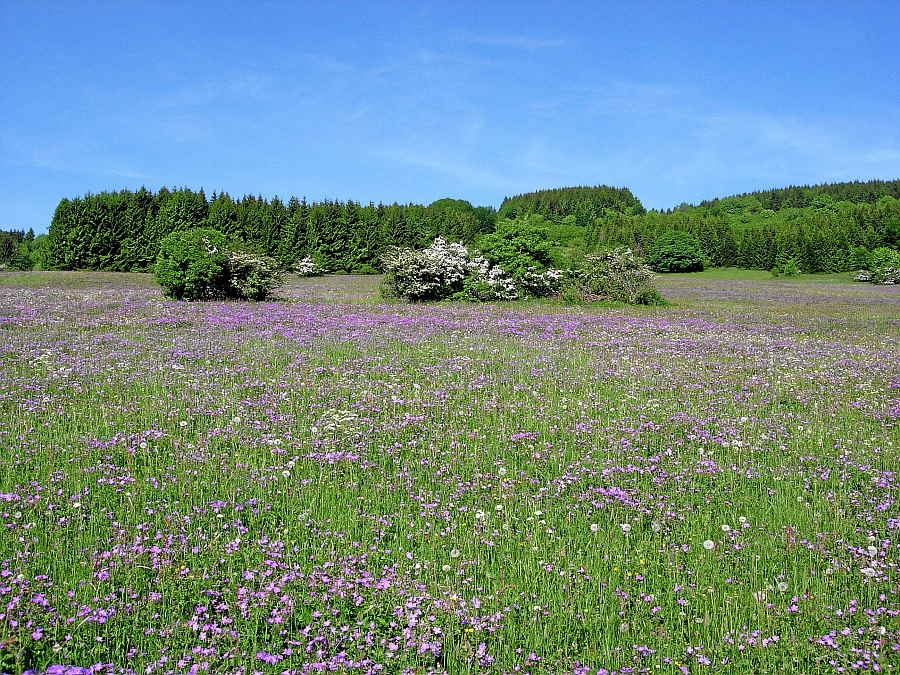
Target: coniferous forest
[824,228]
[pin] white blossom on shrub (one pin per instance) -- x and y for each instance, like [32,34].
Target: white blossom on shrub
[541,284]
[251,276]
[889,276]
[617,275]
[307,267]
[433,273]
[449,270]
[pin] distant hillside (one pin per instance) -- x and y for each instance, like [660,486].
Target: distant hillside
[801,196]
[584,203]
[824,228]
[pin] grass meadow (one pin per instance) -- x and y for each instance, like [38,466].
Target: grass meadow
[333,484]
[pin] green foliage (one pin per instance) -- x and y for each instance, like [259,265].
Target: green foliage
[788,268]
[797,196]
[818,225]
[617,275]
[474,289]
[518,246]
[123,230]
[883,257]
[14,250]
[192,264]
[738,232]
[676,251]
[449,203]
[251,276]
[884,265]
[196,264]
[584,204]
[859,258]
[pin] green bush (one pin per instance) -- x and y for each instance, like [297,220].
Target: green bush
[676,251]
[196,264]
[789,268]
[520,246]
[191,264]
[859,258]
[616,275]
[883,257]
[251,276]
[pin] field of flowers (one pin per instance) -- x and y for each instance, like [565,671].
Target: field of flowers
[329,483]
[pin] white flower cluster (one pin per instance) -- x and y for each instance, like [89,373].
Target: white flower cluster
[541,284]
[503,287]
[307,267]
[886,276]
[210,247]
[440,270]
[447,269]
[429,274]
[252,276]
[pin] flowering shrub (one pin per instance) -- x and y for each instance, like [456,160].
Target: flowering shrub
[540,284]
[883,268]
[433,273]
[448,270]
[307,268]
[196,264]
[616,275]
[251,276]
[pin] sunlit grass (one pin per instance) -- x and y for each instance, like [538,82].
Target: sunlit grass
[446,488]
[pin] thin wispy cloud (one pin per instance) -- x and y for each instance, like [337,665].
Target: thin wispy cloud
[66,156]
[237,86]
[513,41]
[462,170]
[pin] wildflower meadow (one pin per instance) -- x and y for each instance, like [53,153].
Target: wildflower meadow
[329,482]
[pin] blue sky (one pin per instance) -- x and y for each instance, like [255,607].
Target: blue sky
[414,101]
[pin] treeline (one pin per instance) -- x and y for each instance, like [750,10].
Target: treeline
[822,227]
[121,231]
[820,237]
[21,250]
[818,226]
[583,205]
[801,196]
